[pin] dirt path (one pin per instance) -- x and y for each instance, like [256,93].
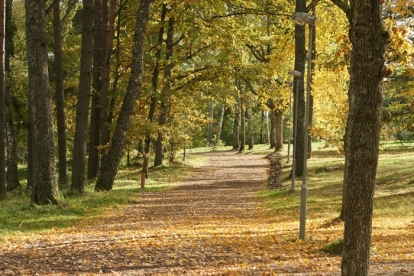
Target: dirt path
[210,224]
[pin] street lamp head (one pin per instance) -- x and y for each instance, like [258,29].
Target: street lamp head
[302,18]
[295,73]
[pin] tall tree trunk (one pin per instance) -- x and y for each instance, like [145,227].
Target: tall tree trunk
[40,98]
[3,192]
[31,179]
[369,40]
[236,124]
[272,128]
[211,123]
[108,21]
[249,122]
[300,59]
[59,95]
[82,106]
[242,127]
[159,145]
[220,125]
[262,128]
[278,116]
[110,167]
[12,173]
[94,132]
[313,7]
[162,120]
[153,103]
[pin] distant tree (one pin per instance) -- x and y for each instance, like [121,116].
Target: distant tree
[45,188]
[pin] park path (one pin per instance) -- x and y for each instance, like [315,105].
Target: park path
[211,223]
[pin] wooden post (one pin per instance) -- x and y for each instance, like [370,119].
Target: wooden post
[143,174]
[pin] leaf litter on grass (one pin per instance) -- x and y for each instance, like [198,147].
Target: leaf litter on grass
[212,223]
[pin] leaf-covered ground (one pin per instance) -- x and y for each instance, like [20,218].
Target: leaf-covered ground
[210,224]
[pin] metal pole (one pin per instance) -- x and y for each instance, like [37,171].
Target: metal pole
[295,127]
[304,190]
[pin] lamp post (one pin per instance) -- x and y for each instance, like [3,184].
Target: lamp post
[296,75]
[290,129]
[302,18]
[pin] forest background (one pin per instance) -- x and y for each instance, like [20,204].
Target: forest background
[205,63]
[154,76]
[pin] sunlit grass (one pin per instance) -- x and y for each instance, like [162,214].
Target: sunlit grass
[19,216]
[394,198]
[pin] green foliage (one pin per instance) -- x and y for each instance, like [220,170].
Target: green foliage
[334,247]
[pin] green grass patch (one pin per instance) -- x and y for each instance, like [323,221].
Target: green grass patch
[334,247]
[19,216]
[394,193]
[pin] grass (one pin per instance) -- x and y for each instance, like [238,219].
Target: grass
[394,198]
[19,216]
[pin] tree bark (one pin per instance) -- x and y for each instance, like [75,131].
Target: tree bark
[110,167]
[108,21]
[162,120]
[82,106]
[45,190]
[242,127]
[220,125]
[95,130]
[13,181]
[3,192]
[236,124]
[59,95]
[278,116]
[153,103]
[272,128]
[211,123]
[369,40]
[300,58]
[249,123]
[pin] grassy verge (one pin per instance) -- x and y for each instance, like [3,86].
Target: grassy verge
[394,198]
[18,216]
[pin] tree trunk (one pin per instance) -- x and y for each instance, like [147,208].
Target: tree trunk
[211,123]
[236,124]
[82,106]
[313,65]
[108,21]
[278,117]
[242,127]
[3,192]
[249,122]
[12,173]
[45,190]
[369,39]
[59,95]
[110,167]
[95,130]
[262,128]
[272,128]
[159,146]
[153,103]
[220,125]
[300,58]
